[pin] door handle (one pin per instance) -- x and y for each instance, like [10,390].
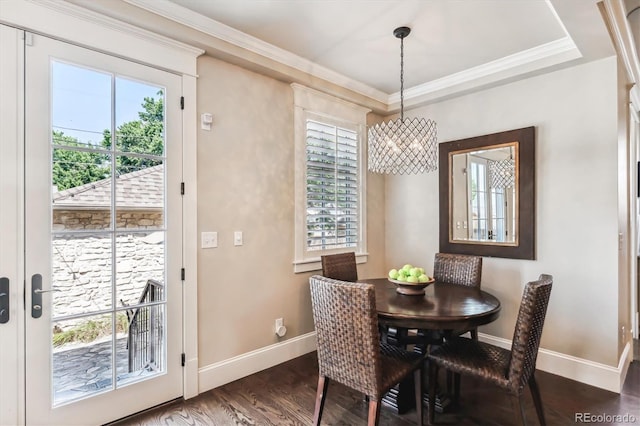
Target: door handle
[36,296]
[4,300]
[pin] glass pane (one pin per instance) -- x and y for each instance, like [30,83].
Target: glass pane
[81,273]
[82,357]
[144,350]
[81,106]
[81,193]
[139,193]
[139,263]
[139,117]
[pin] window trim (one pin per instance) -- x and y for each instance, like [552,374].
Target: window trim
[314,105]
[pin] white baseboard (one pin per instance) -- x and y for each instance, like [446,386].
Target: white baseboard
[571,367]
[574,368]
[220,373]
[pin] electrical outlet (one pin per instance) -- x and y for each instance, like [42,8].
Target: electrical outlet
[279,327]
[209,240]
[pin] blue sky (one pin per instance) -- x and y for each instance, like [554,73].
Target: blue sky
[81,101]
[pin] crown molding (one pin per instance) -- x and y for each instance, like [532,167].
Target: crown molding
[79,26]
[614,13]
[533,59]
[114,24]
[527,61]
[245,41]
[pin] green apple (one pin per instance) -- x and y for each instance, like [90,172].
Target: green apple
[423,278]
[415,272]
[412,279]
[393,274]
[401,278]
[403,273]
[421,271]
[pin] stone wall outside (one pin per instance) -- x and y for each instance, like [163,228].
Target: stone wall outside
[82,265]
[101,219]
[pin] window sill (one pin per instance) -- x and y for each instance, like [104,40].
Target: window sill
[315,264]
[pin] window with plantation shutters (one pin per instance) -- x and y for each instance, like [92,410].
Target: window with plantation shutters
[332,186]
[330,178]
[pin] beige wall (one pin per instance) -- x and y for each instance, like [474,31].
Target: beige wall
[245,183]
[574,112]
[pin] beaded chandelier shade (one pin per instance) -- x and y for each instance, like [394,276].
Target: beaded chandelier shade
[403,146]
[502,173]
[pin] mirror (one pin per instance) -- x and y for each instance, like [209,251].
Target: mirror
[482,194]
[487,195]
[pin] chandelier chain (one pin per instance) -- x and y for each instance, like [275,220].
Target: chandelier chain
[402,79]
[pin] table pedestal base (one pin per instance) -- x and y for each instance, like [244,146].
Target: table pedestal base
[401,398]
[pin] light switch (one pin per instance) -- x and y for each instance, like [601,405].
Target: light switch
[237,238]
[205,121]
[209,240]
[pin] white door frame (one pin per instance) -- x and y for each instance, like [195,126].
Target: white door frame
[41,406]
[634,148]
[11,222]
[76,25]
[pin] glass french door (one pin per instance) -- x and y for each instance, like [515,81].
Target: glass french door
[103,239]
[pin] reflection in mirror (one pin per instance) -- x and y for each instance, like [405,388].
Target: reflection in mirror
[487,195]
[483,198]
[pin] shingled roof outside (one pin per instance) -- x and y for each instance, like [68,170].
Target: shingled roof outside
[142,189]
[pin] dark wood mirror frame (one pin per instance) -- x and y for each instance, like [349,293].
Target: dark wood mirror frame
[525,249]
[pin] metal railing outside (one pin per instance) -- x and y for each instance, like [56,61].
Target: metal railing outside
[145,335]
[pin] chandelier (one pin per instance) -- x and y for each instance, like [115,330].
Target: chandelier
[502,173]
[404,145]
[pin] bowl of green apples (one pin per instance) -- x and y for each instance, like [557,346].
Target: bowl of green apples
[410,280]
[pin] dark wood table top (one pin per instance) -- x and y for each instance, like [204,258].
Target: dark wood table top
[442,307]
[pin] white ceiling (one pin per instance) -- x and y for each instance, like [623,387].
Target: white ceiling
[454,46]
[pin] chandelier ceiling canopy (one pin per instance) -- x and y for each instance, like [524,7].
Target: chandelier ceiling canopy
[403,145]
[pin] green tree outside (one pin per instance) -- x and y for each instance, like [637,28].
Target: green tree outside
[72,167]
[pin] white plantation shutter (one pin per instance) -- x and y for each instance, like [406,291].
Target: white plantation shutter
[330,180]
[331,187]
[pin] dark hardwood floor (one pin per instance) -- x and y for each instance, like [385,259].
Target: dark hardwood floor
[285,395]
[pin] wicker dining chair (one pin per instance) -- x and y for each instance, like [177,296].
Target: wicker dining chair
[453,269]
[340,266]
[349,349]
[511,370]
[459,269]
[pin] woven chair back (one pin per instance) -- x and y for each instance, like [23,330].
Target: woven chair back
[346,325]
[340,266]
[528,331]
[458,269]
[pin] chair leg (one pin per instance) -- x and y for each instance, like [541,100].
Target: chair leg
[456,388]
[321,393]
[518,408]
[374,412]
[537,401]
[417,380]
[433,377]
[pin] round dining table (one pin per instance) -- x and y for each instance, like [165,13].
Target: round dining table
[443,307]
